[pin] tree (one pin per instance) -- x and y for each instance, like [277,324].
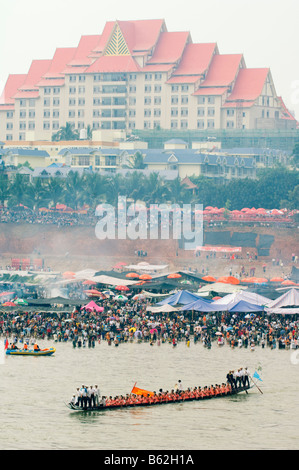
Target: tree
[56,191]
[66,132]
[4,189]
[136,162]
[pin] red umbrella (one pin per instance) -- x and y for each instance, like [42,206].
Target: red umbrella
[276,279]
[174,276]
[133,275]
[287,282]
[89,283]
[209,279]
[229,280]
[122,288]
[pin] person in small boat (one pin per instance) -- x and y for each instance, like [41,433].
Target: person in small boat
[36,347]
[25,347]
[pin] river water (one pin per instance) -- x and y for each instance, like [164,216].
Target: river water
[33,392]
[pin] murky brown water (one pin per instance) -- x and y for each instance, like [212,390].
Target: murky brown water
[33,392]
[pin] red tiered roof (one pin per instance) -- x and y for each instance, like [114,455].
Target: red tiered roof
[113,64]
[13,82]
[223,70]
[196,59]
[170,48]
[249,84]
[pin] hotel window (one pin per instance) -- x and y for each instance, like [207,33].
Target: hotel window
[157,100]
[185,88]
[211,111]
[81,90]
[158,76]
[31,103]
[201,99]
[133,76]
[174,88]
[46,125]
[131,125]
[81,113]
[97,78]
[55,125]
[174,111]
[81,102]
[56,102]
[72,102]
[174,124]
[174,100]
[22,114]
[200,111]
[22,136]
[132,113]
[8,136]
[158,88]
[46,113]
[184,111]
[96,89]
[31,125]
[71,114]
[200,124]
[230,112]
[31,114]
[72,90]
[157,112]
[22,125]
[184,124]
[96,113]
[47,102]
[9,114]
[132,89]
[156,124]
[147,100]
[96,102]
[81,78]
[22,102]
[147,89]
[230,124]
[81,125]
[211,123]
[73,78]
[147,112]
[56,90]
[47,91]
[147,124]
[132,101]
[96,125]
[148,76]
[211,99]
[184,99]
[9,126]
[55,113]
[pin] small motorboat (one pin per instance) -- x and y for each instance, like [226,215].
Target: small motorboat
[30,352]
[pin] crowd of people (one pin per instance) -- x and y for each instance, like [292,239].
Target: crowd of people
[132,323]
[89,397]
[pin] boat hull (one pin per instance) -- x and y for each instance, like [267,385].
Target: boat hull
[135,405]
[30,352]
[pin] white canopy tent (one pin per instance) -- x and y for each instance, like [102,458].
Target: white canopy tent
[232,299]
[287,303]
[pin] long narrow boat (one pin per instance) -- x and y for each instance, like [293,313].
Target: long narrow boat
[73,407]
[30,352]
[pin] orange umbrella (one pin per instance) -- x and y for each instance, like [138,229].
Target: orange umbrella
[68,275]
[249,279]
[260,280]
[229,280]
[122,288]
[145,277]
[174,276]
[209,278]
[89,283]
[287,282]
[276,279]
[132,275]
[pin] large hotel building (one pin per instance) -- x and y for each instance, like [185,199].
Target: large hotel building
[137,75]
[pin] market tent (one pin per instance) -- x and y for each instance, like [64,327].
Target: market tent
[230,300]
[221,288]
[288,299]
[93,306]
[181,297]
[243,306]
[163,309]
[202,305]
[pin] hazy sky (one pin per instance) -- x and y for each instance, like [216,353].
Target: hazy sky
[265,31]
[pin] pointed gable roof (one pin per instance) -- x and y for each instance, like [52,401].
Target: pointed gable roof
[85,46]
[249,84]
[62,56]
[113,64]
[13,82]
[223,70]
[170,47]
[196,59]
